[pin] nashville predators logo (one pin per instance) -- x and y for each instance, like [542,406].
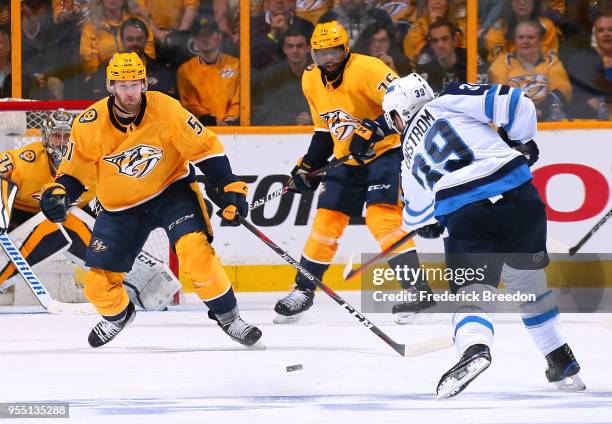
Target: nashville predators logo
[535,86]
[88,116]
[28,156]
[306,5]
[98,245]
[138,161]
[340,123]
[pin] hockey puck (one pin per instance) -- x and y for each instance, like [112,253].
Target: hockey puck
[294,367]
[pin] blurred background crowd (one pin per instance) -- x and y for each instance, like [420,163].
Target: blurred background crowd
[559,52]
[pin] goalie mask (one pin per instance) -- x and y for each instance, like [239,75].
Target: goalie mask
[403,100]
[55,135]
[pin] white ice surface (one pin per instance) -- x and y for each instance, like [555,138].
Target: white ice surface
[178,367]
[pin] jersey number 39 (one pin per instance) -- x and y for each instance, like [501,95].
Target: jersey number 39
[453,146]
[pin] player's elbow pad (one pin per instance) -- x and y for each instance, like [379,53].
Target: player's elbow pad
[74,188]
[216,169]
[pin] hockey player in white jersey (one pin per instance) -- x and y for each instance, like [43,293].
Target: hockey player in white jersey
[459,173]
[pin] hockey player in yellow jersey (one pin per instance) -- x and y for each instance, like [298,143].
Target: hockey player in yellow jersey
[143,146]
[345,91]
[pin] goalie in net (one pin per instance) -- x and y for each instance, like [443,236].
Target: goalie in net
[150,283]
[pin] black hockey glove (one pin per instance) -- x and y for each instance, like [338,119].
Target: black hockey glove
[54,202]
[366,134]
[233,201]
[529,150]
[300,182]
[431,231]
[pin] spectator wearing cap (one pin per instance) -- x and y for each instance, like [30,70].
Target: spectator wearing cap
[267,30]
[208,84]
[441,63]
[277,93]
[134,34]
[541,77]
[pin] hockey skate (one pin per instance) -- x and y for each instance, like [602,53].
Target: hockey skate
[240,331]
[291,307]
[405,313]
[563,369]
[474,361]
[105,330]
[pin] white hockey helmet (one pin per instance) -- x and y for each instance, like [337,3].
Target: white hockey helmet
[55,133]
[404,98]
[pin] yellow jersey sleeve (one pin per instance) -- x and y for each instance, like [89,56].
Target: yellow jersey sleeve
[193,140]
[498,72]
[558,79]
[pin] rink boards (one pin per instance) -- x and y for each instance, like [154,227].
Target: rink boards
[573,180]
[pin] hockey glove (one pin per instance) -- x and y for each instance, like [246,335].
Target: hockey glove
[529,150]
[300,182]
[366,134]
[431,231]
[233,199]
[54,202]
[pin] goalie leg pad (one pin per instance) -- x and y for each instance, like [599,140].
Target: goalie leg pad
[327,228]
[150,284]
[201,264]
[384,222]
[104,289]
[39,240]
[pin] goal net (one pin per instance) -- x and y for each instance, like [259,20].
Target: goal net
[20,124]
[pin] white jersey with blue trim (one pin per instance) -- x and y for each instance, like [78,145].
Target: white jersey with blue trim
[453,156]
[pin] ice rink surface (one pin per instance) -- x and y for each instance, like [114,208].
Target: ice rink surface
[178,367]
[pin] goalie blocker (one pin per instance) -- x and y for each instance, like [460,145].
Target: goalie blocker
[150,283]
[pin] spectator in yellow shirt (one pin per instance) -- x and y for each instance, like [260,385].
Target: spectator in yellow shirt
[208,84]
[542,77]
[100,32]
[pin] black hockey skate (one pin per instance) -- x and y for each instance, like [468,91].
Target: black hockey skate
[404,313]
[291,307]
[105,330]
[563,369]
[240,331]
[474,361]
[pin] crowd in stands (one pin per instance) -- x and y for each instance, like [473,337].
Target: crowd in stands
[559,52]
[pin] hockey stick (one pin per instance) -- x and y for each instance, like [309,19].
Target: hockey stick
[420,348]
[583,240]
[399,348]
[279,192]
[352,273]
[52,306]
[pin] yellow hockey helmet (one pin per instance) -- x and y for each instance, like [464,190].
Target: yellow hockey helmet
[125,67]
[329,34]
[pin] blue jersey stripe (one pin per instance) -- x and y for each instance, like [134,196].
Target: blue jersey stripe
[511,180]
[490,101]
[414,212]
[514,100]
[477,182]
[420,221]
